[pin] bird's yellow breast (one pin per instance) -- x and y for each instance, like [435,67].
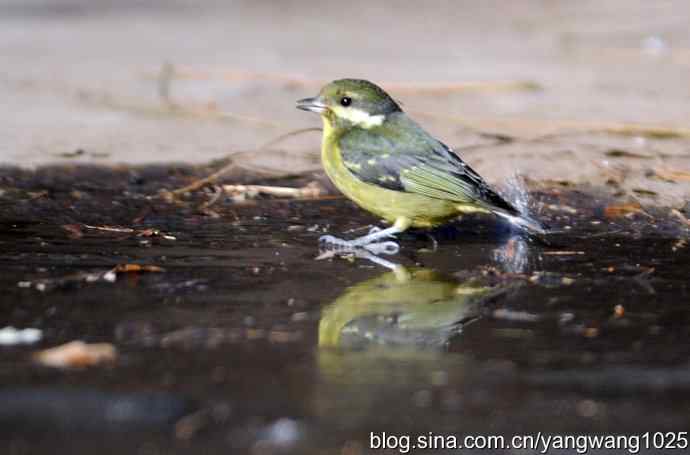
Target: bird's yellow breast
[420,210]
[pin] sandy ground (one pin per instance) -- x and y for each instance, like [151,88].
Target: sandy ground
[78,75]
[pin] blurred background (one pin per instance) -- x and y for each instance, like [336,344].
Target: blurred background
[84,75]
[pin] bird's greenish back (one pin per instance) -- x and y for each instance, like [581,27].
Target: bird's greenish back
[400,156]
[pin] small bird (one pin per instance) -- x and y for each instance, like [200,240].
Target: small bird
[387,164]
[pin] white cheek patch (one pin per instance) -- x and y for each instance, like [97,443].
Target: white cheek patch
[358,116]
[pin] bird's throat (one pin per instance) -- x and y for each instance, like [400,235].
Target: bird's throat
[327,128]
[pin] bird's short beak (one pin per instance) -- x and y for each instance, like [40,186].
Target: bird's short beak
[314,104]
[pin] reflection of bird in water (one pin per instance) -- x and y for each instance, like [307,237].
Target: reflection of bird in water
[413,308]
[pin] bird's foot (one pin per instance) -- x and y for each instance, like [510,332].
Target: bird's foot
[373,242]
[341,246]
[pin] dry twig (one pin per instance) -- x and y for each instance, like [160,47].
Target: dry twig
[231,165]
[672,176]
[560,126]
[310,191]
[189,73]
[76,354]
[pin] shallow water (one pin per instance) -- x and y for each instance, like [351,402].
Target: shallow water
[246,342]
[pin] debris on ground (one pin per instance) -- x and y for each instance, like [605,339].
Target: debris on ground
[550,279]
[136,268]
[312,190]
[672,175]
[620,210]
[47,284]
[108,276]
[76,354]
[146,232]
[232,164]
[514,315]
[9,336]
[679,215]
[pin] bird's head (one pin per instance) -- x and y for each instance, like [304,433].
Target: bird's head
[346,103]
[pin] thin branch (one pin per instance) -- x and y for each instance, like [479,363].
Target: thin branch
[231,165]
[195,74]
[309,191]
[622,128]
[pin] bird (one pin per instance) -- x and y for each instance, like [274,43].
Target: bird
[385,162]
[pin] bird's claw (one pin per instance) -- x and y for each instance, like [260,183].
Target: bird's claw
[331,243]
[334,243]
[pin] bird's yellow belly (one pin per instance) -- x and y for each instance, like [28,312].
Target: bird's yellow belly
[421,211]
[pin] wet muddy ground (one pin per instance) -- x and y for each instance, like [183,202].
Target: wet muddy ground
[243,342]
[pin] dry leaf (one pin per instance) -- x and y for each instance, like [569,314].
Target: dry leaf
[76,354]
[590,332]
[133,268]
[678,214]
[73,231]
[619,311]
[617,211]
[672,176]
[620,153]
[680,243]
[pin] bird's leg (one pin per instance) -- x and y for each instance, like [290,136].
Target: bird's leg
[374,235]
[371,241]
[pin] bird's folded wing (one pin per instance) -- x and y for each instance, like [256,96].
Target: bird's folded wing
[418,164]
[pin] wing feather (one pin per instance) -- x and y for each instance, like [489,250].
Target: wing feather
[401,156]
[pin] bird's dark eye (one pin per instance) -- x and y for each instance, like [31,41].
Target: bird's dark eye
[345,101]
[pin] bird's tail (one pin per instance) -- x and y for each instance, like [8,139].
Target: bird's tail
[516,198]
[525,223]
